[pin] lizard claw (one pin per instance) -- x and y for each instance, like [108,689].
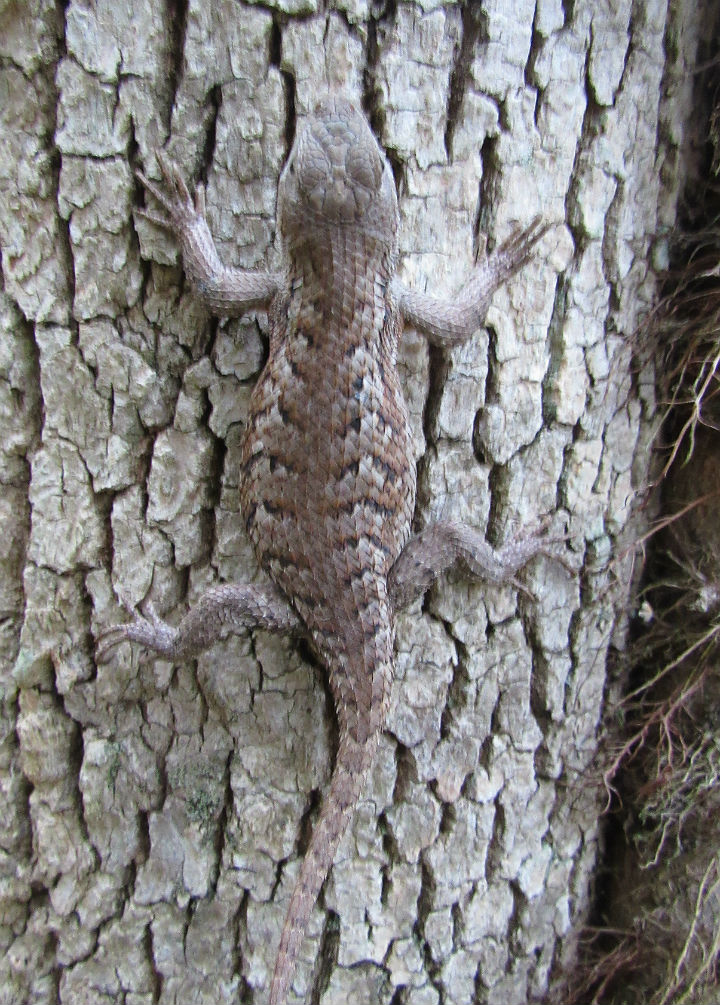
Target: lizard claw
[148,630]
[517,249]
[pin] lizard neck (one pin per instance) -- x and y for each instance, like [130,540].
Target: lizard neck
[339,278]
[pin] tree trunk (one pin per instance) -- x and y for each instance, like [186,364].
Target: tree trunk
[154,816]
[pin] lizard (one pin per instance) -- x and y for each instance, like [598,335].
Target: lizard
[328,476]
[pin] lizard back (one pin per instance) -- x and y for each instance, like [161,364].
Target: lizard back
[328,478]
[328,475]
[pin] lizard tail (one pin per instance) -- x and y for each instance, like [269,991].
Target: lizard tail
[351,767]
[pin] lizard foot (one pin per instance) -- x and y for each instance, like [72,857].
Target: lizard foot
[181,211]
[510,257]
[150,631]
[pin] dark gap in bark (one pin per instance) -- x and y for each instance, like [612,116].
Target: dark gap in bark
[425,902]
[405,772]
[220,825]
[239,927]
[66,249]
[592,124]
[457,693]
[139,199]
[474,29]
[487,191]
[290,112]
[491,395]
[568,7]
[275,54]
[307,822]
[288,82]
[537,43]
[214,99]
[326,958]
[555,343]
[156,976]
[177,13]
[438,370]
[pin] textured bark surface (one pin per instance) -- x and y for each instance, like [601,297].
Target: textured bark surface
[154,817]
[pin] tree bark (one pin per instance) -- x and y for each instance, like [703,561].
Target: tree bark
[154,816]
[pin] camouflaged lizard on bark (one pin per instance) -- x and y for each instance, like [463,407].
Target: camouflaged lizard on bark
[328,477]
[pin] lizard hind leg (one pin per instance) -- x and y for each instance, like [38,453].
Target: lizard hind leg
[427,555]
[222,610]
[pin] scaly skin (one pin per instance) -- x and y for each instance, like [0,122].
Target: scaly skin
[328,479]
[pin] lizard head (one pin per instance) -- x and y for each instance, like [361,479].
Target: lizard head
[337,177]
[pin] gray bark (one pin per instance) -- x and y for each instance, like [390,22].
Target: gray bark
[153,816]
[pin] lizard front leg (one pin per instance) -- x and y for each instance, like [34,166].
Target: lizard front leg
[450,321]
[222,610]
[227,292]
[426,556]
